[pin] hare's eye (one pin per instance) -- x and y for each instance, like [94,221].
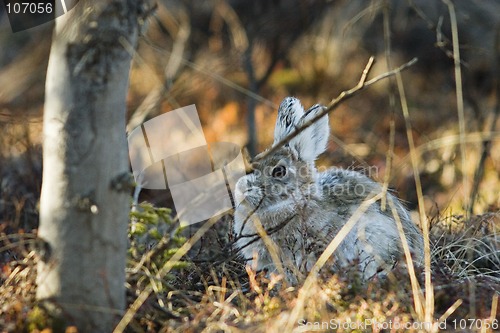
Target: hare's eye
[279,171]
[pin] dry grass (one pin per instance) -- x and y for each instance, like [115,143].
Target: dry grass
[218,293]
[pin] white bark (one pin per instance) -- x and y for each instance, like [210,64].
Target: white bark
[83,217]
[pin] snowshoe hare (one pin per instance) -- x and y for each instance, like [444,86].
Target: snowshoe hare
[301,209]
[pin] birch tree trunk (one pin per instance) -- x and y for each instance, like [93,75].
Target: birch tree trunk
[83,214]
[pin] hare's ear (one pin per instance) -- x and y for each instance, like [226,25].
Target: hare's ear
[312,141]
[289,114]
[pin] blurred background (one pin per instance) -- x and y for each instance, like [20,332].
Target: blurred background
[236,60]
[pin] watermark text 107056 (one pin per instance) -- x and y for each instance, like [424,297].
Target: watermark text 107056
[28,14]
[390,325]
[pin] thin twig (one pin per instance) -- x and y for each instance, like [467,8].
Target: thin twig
[441,40]
[429,291]
[459,95]
[450,311]
[494,306]
[343,96]
[461,126]
[415,287]
[392,105]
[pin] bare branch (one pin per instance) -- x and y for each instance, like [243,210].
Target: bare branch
[344,95]
[153,100]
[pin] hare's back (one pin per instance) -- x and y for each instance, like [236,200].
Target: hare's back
[344,186]
[344,190]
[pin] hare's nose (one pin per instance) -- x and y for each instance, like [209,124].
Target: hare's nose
[244,186]
[241,187]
